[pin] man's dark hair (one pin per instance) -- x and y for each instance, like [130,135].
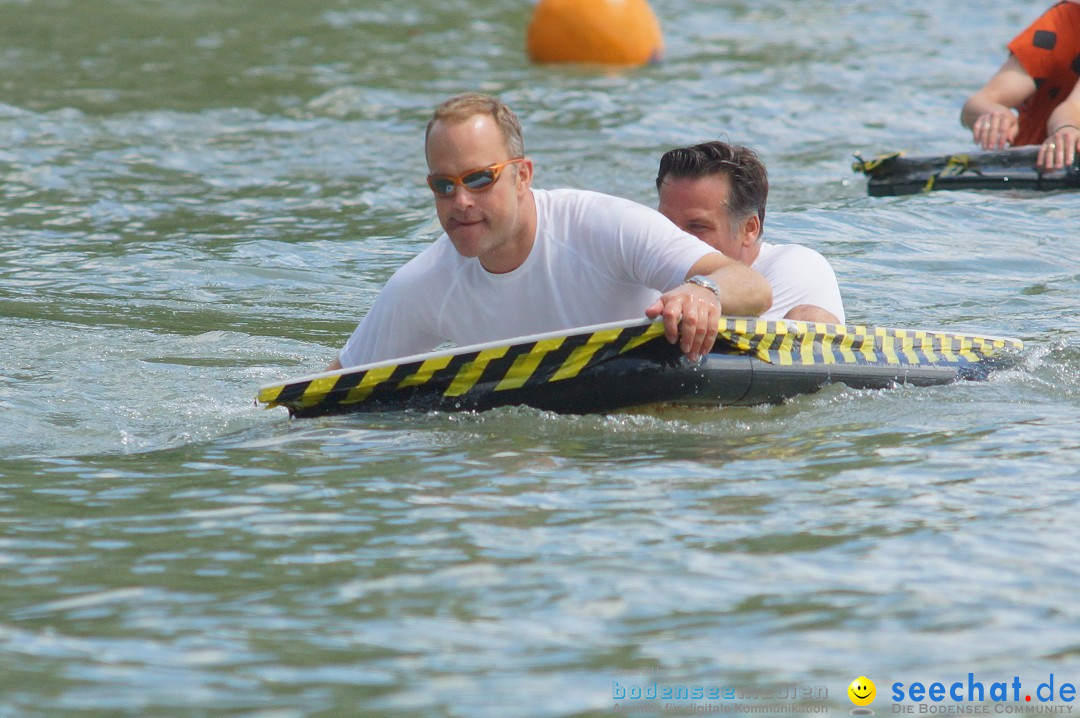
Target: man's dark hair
[749,178]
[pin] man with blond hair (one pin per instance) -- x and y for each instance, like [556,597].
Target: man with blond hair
[514,260]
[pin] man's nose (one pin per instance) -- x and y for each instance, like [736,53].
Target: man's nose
[462,197]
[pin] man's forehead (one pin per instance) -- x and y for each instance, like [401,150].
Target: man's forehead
[716,186]
[479,129]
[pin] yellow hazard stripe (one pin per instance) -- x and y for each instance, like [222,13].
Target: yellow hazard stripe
[526,365]
[269,395]
[867,166]
[580,357]
[966,348]
[372,378]
[908,347]
[656,329]
[927,344]
[955,165]
[425,371]
[757,340]
[867,342]
[736,332]
[827,355]
[318,389]
[887,341]
[471,372]
[809,344]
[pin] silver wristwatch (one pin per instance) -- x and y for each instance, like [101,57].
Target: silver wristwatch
[703,281]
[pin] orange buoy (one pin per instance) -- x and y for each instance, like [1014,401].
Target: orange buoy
[610,32]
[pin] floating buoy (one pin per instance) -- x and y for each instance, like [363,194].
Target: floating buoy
[609,32]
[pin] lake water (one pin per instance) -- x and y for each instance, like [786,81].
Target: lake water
[202,197]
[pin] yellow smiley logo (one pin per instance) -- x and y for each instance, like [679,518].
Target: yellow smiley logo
[862,691]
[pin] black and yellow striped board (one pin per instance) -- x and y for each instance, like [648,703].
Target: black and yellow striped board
[628,364]
[895,174]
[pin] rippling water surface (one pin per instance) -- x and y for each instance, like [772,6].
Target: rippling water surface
[200,197]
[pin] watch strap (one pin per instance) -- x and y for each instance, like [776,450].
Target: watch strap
[703,281]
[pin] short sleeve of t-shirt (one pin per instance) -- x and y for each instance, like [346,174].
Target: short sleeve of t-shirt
[798,275]
[1049,51]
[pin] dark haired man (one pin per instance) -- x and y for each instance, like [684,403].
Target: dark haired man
[514,260]
[717,192]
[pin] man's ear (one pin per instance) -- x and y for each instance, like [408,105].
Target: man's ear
[524,174]
[751,230]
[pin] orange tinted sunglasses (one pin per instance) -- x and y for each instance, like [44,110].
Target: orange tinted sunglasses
[477,180]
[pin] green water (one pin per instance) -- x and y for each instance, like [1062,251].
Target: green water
[199,198]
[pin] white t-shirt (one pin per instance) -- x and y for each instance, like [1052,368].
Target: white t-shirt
[798,275]
[596,259]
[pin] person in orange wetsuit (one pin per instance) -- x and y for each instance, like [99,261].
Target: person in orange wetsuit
[1034,98]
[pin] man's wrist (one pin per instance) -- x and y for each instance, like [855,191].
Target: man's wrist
[702,281]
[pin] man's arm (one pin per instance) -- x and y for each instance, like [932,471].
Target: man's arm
[989,112]
[692,313]
[811,313]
